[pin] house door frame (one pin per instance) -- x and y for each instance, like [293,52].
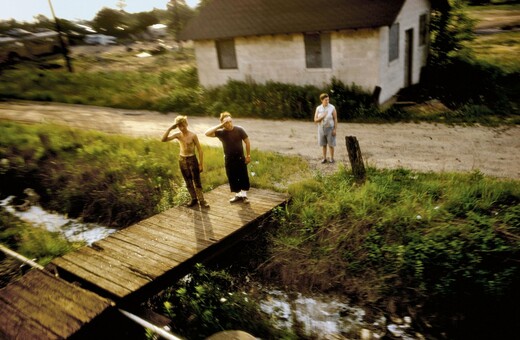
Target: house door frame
[408,57]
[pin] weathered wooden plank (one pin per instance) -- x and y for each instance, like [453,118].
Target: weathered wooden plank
[114,271]
[128,253]
[178,229]
[115,276]
[111,257]
[255,202]
[172,255]
[156,245]
[184,214]
[254,195]
[17,324]
[96,279]
[228,222]
[74,300]
[214,216]
[41,306]
[220,226]
[134,260]
[153,266]
[47,313]
[207,228]
[237,214]
[220,193]
[168,238]
[164,258]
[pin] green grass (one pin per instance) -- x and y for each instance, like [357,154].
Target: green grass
[416,238]
[116,180]
[34,243]
[481,91]
[500,49]
[498,12]
[211,301]
[163,85]
[423,237]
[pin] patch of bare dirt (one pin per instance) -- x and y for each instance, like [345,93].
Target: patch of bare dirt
[420,147]
[496,18]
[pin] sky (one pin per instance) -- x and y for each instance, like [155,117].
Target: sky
[25,10]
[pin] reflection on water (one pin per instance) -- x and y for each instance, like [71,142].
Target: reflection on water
[318,316]
[71,229]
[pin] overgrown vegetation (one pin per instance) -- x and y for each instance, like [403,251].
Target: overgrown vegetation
[178,90]
[33,242]
[473,91]
[447,242]
[445,246]
[209,301]
[499,49]
[166,90]
[474,85]
[113,180]
[415,238]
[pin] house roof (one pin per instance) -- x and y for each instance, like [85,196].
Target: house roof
[220,19]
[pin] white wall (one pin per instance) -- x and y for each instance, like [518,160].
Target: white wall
[281,58]
[392,72]
[358,56]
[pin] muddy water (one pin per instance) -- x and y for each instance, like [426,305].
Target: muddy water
[324,317]
[319,316]
[73,230]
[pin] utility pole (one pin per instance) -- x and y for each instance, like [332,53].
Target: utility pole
[64,48]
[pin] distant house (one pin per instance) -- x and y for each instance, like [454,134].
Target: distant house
[376,44]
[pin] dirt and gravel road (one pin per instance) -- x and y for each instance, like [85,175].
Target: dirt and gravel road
[421,147]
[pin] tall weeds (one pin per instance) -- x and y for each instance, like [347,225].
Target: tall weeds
[403,233]
[114,180]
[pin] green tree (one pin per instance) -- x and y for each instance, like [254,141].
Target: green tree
[110,21]
[139,22]
[450,27]
[180,14]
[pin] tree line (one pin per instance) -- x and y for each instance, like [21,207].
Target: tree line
[115,22]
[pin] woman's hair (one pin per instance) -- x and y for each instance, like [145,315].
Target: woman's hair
[223,115]
[323,96]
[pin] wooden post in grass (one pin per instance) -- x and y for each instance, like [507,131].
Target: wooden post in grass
[356,159]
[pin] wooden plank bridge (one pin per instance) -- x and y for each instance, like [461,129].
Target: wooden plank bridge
[130,264]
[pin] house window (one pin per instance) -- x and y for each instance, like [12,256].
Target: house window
[423,29]
[393,48]
[227,57]
[317,50]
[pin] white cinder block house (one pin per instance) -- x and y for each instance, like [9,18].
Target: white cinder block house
[379,44]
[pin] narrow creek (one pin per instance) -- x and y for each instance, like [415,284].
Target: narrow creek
[73,230]
[321,317]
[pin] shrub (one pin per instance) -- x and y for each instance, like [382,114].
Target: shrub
[464,81]
[207,302]
[281,101]
[106,179]
[418,236]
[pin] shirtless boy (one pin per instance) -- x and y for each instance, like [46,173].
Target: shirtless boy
[190,167]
